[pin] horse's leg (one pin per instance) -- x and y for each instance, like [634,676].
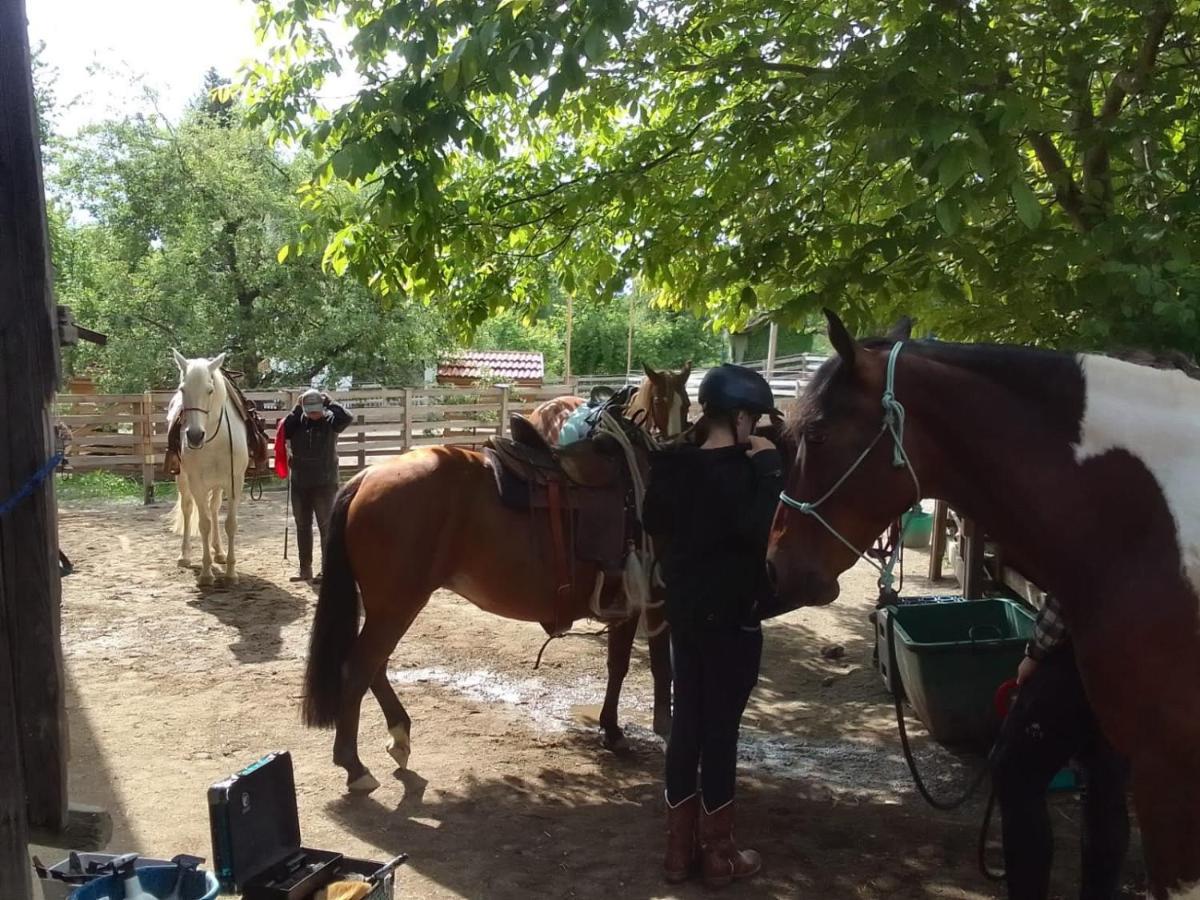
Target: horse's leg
[367,661]
[1166,792]
[620,647]
[660,668]
[231,527]
[185,514]
[214,508]
[206,526]
[399,723]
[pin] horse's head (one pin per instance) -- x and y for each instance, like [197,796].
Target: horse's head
[843,467]
[202,391]
[664,397]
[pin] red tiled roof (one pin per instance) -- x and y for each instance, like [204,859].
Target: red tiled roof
[473,364]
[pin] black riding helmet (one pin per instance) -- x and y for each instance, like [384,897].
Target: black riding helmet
[728,388]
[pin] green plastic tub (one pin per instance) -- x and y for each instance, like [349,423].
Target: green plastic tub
[916,529]
[951,658]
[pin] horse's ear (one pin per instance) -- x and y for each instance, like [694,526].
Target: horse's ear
[180,360]
[842,342]
[686,371]
[650,373]
[214,365]
[902,330]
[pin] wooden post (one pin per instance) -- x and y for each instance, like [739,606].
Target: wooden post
[772,347]
[937,545]
[408,435]
[147,448]
[629,342]
[502,427]
[972,557]
[570,328]
[362,444]
[33,745]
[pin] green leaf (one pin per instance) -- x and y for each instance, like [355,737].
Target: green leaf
[1029,211]
[953,167]
[595,44]
[948,214]
[282,255]
[450,76]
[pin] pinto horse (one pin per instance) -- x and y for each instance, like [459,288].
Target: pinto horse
[1085,469]
[213,462]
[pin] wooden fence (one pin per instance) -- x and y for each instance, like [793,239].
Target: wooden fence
[788,378]
[127,433]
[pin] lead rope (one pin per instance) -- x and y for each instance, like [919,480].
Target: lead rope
[893,424]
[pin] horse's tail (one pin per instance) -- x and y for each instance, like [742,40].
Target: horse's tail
[177,522]
[335,625]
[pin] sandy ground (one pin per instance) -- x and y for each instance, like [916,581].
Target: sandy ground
[509,793]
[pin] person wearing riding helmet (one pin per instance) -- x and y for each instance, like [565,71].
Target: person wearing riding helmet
[709,505]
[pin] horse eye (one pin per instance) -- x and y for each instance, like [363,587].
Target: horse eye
[814,435]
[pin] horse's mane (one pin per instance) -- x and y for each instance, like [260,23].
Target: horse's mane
[1049,376]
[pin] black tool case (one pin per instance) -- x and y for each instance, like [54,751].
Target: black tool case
[256,840]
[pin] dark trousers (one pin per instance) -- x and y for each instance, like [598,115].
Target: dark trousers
[308,501]
[1051,723]
[714,673]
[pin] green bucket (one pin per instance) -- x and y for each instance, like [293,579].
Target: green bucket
[951,658]
[916,529]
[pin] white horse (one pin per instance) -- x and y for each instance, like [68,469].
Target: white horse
[213,459]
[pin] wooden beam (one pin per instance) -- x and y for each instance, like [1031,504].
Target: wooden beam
[772,347]
[29,373]
[14,830]
[87,829]
[937,546]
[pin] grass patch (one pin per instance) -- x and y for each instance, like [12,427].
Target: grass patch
[108,486]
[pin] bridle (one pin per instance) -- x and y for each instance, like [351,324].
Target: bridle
[893,424]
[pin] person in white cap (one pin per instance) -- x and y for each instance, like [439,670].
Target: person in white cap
[312,431]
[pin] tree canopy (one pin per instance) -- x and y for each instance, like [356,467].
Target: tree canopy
[167,235]
[1022,170]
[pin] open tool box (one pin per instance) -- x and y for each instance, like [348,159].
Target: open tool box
[256,840]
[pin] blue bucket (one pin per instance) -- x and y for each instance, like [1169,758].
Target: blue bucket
[157,880]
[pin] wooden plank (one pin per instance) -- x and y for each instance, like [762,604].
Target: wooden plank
[147,449]
[72,420]
[937,548]
[98,398]
[104,461]
[105,440]
[502,426]
[32,708]
[362,456]
[408,408]
[972,543]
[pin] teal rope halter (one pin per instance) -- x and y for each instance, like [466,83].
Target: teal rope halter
[893,424]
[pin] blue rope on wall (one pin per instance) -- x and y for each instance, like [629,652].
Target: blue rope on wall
[31,485]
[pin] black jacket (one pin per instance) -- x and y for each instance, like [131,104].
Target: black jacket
[711,511]
[314,458]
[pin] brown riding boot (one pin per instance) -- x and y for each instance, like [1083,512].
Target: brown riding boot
[171,462]
[722,860]
[683,852]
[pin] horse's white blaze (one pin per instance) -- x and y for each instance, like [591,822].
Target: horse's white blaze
[1153,414]
[675,417]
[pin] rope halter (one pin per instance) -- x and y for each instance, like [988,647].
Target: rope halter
[893,424]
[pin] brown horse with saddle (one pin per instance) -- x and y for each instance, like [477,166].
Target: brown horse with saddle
[522,529]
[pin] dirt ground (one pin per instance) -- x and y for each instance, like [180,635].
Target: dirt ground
[509,794]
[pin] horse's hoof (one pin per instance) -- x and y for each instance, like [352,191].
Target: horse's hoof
[400,746]
[230,578]
[219,558]
[183,562]
[662,727]
[363,784]
[615,742]
[204,580]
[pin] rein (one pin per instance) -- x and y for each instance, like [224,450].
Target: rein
[893,425]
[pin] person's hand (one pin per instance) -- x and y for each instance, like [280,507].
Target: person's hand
[325,398]
[758,444]
[1026,669]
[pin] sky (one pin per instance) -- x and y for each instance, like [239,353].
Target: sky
[171,43]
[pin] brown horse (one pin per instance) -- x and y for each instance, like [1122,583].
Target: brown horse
[1084,469]
[432,519]
[662,401]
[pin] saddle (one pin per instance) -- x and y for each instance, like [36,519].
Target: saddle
[584,491]
[256,434]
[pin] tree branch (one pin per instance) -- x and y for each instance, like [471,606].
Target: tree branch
[1097,187]
[1066,190]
